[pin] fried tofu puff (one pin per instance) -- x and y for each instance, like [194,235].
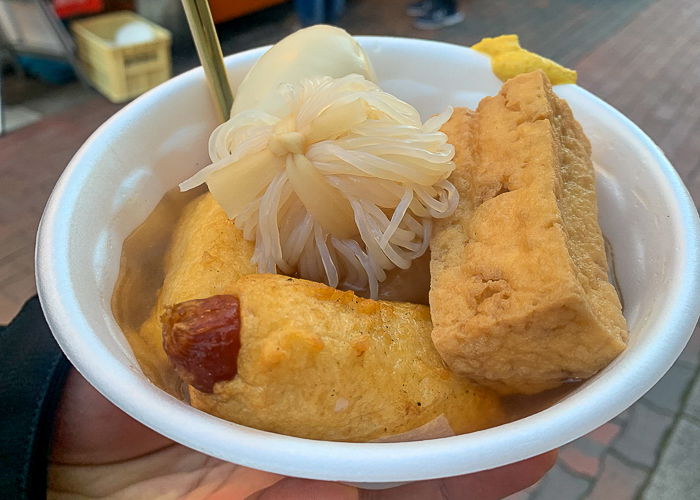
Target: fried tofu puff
[320,363]
[520,297]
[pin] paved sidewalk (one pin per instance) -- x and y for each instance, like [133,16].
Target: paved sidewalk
[676,474]
[31,161]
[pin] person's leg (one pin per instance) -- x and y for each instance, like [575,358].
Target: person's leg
[310,12]
[442,13]
[419,8]
[334,10]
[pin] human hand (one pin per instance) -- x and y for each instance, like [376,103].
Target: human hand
[99,451]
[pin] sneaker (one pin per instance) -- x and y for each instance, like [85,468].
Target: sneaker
[418,9]
[438,18]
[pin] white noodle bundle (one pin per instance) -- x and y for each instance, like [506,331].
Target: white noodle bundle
[340,185]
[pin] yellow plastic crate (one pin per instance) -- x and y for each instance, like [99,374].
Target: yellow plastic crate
[121,72]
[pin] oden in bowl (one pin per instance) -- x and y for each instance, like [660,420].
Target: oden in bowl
[125,168]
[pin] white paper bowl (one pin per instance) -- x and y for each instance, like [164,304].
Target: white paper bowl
[126,166]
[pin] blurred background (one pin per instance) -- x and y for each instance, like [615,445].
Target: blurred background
[67,65]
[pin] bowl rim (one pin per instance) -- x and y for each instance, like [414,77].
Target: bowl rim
[364,462]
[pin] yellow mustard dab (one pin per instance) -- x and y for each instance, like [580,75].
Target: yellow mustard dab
[509,59]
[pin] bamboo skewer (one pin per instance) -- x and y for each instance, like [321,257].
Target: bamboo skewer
[209,52]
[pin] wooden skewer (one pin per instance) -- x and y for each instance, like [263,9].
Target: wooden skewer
[209,51]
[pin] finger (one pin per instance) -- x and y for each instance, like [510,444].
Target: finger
[486,485]
[420,490]
[91,430]
[502,481]
[306,489]
[239,484]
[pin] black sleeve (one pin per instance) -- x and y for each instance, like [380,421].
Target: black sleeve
[32,373]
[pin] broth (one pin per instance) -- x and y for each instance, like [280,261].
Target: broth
[141,274]
[141,270]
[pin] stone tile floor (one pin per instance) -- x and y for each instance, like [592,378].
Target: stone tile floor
[639,55]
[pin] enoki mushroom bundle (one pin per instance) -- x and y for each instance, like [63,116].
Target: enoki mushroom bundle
[340,184]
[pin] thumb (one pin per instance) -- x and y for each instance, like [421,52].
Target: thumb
[306,489]
[89,429]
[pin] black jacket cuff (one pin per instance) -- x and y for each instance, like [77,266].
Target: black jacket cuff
[32,373]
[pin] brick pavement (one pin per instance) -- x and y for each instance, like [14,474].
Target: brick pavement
[31,160]
[641,56]
[562,29]
[675,476]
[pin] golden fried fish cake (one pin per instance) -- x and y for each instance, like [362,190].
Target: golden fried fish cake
[519,297]
[207,254]
[319,363]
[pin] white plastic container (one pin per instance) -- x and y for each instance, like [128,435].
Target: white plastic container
[123,170]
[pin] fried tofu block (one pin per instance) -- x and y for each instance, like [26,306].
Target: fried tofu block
[319,363]
[519,297]
[206,255]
